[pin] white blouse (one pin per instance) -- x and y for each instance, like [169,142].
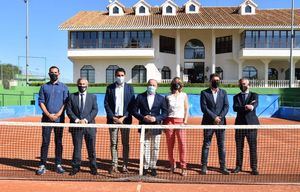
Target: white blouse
[176,105]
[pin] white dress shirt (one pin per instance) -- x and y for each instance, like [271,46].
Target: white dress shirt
[215,95]
[119,96]
[79,98]
[150,99]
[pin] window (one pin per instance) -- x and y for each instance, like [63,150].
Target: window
[139,74]
[219,71]
[297,39]
[248,9]
[88,72]
[142,9]
[250,72]
[194,49]
[273,74]
[116,10]
[110,73]
[224,44]
[169,9]
[167,45]
[166,73]
[192,8]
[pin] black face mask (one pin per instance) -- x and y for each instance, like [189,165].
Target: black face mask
[176,86]
[53,77]
[243,88]
[215,84]
[82,89]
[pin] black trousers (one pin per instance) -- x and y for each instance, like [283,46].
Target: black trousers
[89,135]
[46,134]
[208,134]
[251,135]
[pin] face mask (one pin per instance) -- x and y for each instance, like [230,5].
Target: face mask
[176,86]
[151,90]
[120,80]
[215,84]
[243,88]
[53,77]
[82,89]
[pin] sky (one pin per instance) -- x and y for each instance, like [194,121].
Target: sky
[49,43]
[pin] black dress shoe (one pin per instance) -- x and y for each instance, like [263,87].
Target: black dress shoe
[74,172]
[145,171]
[237,170]
[225,171]
[113,169]
[153,172]
[254,172]
[203,170]
[94,171]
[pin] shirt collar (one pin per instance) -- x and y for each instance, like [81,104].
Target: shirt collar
[120,85]
[247,92]
[216,91]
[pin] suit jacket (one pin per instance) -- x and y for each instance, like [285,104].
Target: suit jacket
[90,110]
[110,103]
[211,109]
[159,110]
[245,117]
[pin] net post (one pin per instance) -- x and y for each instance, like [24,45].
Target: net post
[142,142]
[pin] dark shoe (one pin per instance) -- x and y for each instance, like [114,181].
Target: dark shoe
[145,172]
[237,170]
[124,169]
[94,171]
[113,169]
[74,172]
[225,171]
[59,169]
[153,172]
[254,172]
[203,170]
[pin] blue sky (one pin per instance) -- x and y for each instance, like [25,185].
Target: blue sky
[45,17]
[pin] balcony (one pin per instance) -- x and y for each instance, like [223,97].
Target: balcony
[264,53]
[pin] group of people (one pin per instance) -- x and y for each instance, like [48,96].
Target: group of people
[149,108]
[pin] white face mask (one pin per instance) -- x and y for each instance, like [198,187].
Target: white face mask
[120,80]
[151,90]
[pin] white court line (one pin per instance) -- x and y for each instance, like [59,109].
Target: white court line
[139,187]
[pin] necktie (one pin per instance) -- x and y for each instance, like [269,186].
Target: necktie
[81,104]
[244,98]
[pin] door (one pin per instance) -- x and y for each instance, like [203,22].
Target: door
[195,71]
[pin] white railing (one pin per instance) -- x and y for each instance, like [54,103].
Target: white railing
[263,83]
[166,80]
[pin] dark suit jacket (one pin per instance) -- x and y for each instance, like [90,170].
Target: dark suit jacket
[159,110]
[245,117]
[211,109]
[90,110]
[110,103]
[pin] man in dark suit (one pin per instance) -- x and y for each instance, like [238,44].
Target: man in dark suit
[245,104]
[118,102]
[214,105]
[82,108]
[151,109]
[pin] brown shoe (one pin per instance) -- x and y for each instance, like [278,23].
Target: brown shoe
[183,172]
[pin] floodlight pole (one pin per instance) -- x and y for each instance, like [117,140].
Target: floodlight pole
[292,75]
[27,39]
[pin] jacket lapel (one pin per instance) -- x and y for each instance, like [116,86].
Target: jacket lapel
[248,98]
[211,97]
[77,100]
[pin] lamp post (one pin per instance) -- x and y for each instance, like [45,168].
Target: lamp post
[27,39]
[292,74]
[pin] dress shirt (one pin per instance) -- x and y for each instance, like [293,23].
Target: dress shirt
[150,99]
[119,96]
[215,95]
[84,98]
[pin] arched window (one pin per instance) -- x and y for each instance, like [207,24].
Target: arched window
[273,74]
[166,73]
[194,49]
[142,9]
[169,9]
[116,10]
[139,74]
[248,9]
[88,72]
[192,8]
[110,73]
[220,72]
[250,72]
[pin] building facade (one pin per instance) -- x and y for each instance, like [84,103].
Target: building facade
[191,42]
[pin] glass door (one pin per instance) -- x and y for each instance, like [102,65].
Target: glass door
[195,71]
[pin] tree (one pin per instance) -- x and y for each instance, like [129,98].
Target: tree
[8,72]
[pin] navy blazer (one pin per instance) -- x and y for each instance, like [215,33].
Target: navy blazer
[90,110]
[211,109]
[159,110]
[110,103]
[245,117]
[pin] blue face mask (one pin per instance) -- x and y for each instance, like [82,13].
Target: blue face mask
[151,90]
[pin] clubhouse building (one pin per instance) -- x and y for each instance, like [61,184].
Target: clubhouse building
[190,41]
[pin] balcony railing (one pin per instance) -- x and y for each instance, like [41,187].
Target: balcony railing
[263,83]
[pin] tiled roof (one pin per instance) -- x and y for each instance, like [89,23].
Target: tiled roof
[208,18]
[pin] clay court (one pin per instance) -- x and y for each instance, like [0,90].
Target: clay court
[278,162]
